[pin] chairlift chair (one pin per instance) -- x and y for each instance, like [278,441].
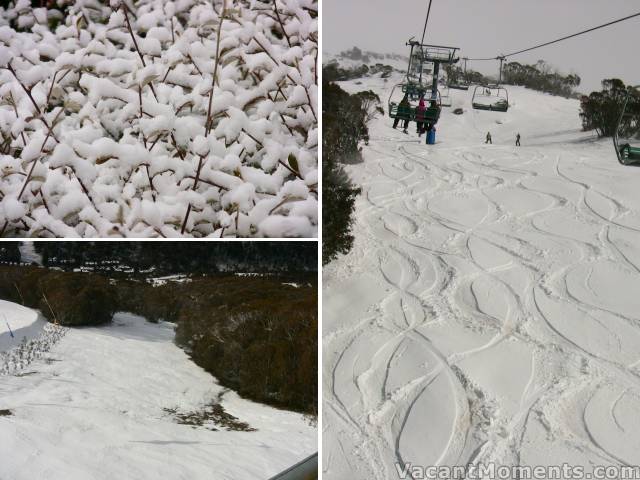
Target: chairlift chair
[626,138]
[490,97]
[414,93]
[459,86]
[446,101]
[445,95]
[424,63]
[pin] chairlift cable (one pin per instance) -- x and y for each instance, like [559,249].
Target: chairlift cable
[424,32]
[558,40]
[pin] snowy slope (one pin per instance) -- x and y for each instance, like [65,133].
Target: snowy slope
[489,310]
[399,62]
[98,406]
[16,323]
[28,253]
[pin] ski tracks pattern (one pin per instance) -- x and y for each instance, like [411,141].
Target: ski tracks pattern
[496,336]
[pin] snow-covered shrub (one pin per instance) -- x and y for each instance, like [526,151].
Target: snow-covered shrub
[159,118]
[344,127]
[76,300]
[14,360]
[71,299]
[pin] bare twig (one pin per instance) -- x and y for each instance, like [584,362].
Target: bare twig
[55,318]
[195,185]
[125,9]
[19,293]
[209,121]
[28,92]
[275,7]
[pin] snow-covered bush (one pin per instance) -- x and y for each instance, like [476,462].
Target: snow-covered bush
[17,358]
[159,118]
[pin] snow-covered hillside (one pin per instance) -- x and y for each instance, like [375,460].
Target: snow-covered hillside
[16,323]
[159,119]
[123,401]
[355,58]
[489,309]
[28,253]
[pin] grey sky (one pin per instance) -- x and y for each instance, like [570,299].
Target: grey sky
[485,28]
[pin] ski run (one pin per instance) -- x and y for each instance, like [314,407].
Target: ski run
[489,310]
[116,402]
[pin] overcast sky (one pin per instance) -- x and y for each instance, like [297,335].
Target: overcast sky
[485,28]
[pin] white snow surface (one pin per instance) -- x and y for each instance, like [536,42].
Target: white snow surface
[489,309]
[160,281]
[21,321]
[28,253]
[93,408]
[112,140]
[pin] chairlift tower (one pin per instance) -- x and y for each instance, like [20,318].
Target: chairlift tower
[502,58]
[416,85]
[423,54]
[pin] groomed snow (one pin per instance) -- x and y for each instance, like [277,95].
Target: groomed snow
[488,311]
[93,408]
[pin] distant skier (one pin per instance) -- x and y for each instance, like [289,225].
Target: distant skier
[518,140]
[489,140]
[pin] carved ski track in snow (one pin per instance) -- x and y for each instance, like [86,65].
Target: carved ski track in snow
[428,226]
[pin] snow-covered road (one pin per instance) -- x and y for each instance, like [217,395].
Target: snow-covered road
[100,405]
[489,310]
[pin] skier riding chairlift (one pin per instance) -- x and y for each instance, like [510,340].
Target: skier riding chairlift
[404,108]
[420,124]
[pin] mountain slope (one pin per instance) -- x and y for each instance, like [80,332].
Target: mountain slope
[487,310]
[123,401]
[16,323]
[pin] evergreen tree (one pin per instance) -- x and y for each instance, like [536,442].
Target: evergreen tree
[9,252]
[600,111]
[541,77]
[165,258]
[345,119]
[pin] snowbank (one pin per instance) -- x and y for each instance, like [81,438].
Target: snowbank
[16,323]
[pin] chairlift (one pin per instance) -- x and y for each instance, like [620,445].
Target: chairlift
[445,95]
[464,84]
[459,86]
[421,82]
[626,138]
[414,93]
[490,97]
[446,100]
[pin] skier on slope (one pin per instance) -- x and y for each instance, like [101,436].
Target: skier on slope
[489,140]
[518,139]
